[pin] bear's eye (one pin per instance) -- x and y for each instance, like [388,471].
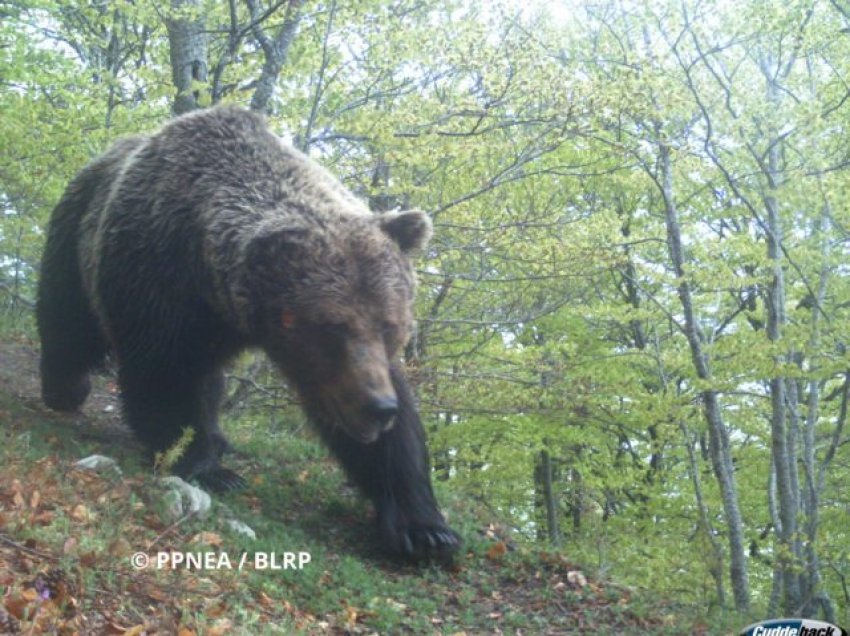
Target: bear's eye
[288,319]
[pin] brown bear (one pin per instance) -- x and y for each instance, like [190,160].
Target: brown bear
[176,251]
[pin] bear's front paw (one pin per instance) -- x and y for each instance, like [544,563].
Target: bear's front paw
[420,540]
[219,480]
[430,543]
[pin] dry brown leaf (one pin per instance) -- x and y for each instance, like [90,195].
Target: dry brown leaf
[17,605]
[42,518]
[497,550]
[157,595]
[70,545]
[80,513]
[215,611]
[119,547]
[265,600]
[220,628]
[207,538]
[350,617]
[114,629]
[88,559]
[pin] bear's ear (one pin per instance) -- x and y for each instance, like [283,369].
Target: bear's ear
[410,229]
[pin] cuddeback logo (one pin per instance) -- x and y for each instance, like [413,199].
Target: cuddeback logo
[793,627]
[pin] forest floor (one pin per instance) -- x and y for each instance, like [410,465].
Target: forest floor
[67,536]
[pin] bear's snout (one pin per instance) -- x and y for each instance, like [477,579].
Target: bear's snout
[382,410]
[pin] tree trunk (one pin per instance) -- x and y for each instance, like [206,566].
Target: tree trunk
[715,565]
[783,446]
[188,50]
[576,499]
[546,497]
[812,587]
[275,50]
[721,458]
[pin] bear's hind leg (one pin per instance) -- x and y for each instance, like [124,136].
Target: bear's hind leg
[394,472]
[65,367]
[71,340]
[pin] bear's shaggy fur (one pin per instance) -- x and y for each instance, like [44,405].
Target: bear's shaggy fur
[176,251]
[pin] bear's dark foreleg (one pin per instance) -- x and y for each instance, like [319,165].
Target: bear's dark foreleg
[394,472]
[212,393]
[159,406]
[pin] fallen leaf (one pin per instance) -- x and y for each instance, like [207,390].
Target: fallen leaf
[114,629]
[265,600]
[42,518]
[70,545]
[350,616]
[88,559]
[17,605]
[220,628]
[496,551]
[207,538]
[119,547]
[80,513]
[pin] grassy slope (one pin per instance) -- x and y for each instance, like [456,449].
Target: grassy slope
[84,526]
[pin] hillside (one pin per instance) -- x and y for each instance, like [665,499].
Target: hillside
[66,536]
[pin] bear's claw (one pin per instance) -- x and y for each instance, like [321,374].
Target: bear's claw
[220,480]
[427,543]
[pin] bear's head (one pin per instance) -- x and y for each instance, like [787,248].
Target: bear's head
[333,309]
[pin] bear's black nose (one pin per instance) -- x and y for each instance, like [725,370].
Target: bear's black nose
[382,410]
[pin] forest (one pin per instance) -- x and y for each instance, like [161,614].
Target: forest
[632,317]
